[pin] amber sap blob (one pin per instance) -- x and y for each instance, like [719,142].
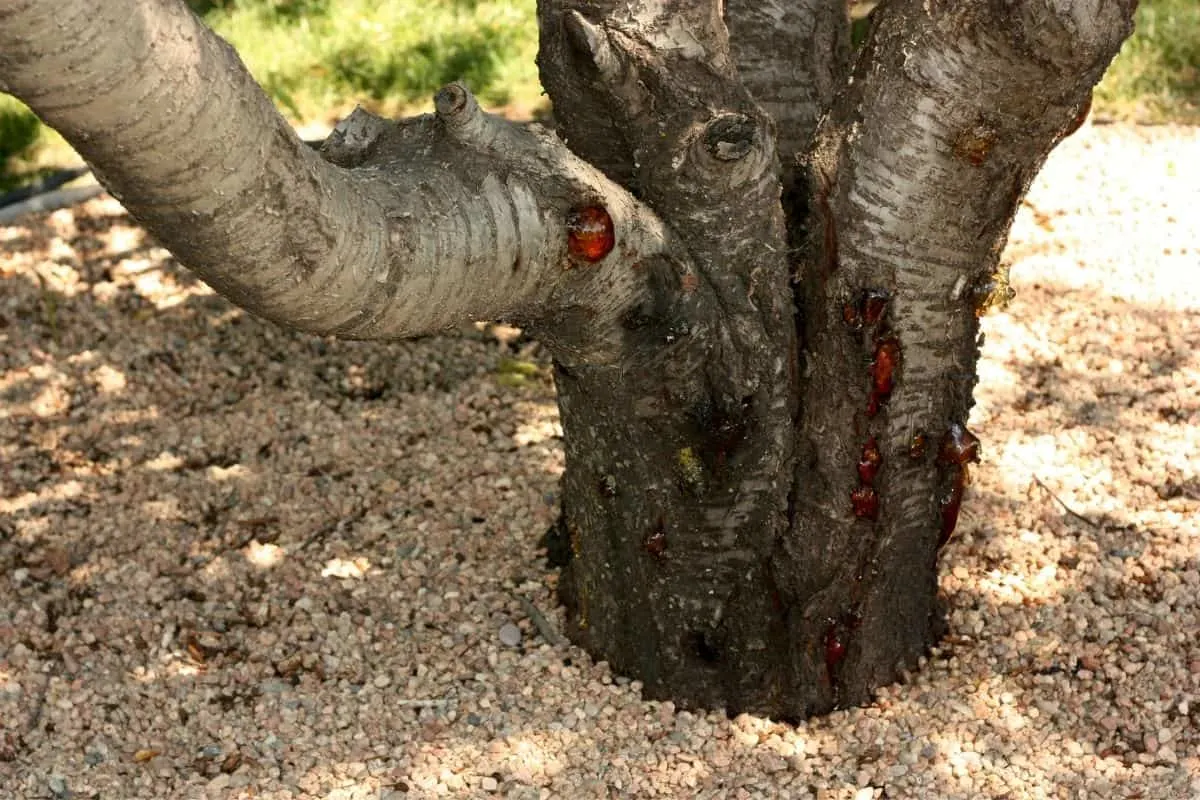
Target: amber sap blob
[883,374]
[655,542]
[590,234]
[835,647]
[874,305]
[869,462]
[959,446]
[865,502]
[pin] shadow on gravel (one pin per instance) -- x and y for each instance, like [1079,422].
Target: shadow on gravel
[242,547]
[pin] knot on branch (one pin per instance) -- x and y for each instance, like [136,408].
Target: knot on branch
[731,149]
[730,137]
[352,140]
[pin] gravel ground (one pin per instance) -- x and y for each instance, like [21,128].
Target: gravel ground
[238,562]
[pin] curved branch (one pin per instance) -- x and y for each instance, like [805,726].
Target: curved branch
[394,230]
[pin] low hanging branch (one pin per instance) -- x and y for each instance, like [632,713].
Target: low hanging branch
[397,229]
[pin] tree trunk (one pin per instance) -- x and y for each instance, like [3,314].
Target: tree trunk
[755,499]
[758,270]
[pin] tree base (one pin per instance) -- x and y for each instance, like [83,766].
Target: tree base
[805,665]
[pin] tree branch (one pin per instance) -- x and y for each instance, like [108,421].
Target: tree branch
[418,226]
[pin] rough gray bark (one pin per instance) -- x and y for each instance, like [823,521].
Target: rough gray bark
[792,55]
[765,448]
[917,172]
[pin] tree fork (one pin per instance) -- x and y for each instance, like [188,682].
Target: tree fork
[797,615]
[396,228]
[792,56]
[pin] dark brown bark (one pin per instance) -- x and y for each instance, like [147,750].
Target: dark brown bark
[706,555]
[675,488]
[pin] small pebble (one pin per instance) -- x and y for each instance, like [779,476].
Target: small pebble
[510,635]
[58,787]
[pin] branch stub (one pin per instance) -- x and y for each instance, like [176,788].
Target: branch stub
[730,137]
[451,99]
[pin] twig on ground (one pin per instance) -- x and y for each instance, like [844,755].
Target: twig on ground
[340,524]
[424,702]
[39,702]
[51,201]
[540,622]
[1065,507]
[46,183]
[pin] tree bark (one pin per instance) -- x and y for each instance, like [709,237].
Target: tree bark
[704,555]
[916,173]
[792,55]
[764,366]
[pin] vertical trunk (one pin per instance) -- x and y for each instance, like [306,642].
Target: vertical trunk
[717,543]
[916,174]
[792,56]
[678,458]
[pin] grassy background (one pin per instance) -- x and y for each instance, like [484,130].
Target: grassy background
[318,58]
[1156,76]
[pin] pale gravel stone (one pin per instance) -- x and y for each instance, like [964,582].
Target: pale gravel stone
[510,635]
[178,477]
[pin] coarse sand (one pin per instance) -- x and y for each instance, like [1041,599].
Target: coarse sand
[237,562]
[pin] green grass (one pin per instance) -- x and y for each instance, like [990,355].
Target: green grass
[22,138]
[1156,76]
[18,127]
[318,58]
